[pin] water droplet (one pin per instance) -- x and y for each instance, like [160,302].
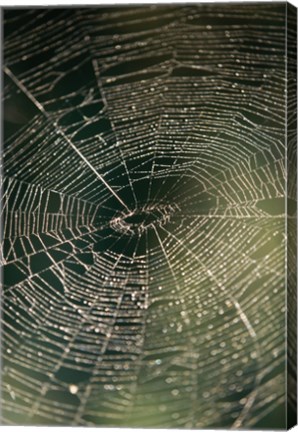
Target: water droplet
[73,389]
[162,408]
[109,387]
[254,355]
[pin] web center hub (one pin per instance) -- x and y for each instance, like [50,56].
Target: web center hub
[142,219]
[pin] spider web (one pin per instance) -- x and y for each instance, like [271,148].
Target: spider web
[144,218]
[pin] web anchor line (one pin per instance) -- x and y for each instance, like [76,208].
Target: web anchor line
[41,109]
